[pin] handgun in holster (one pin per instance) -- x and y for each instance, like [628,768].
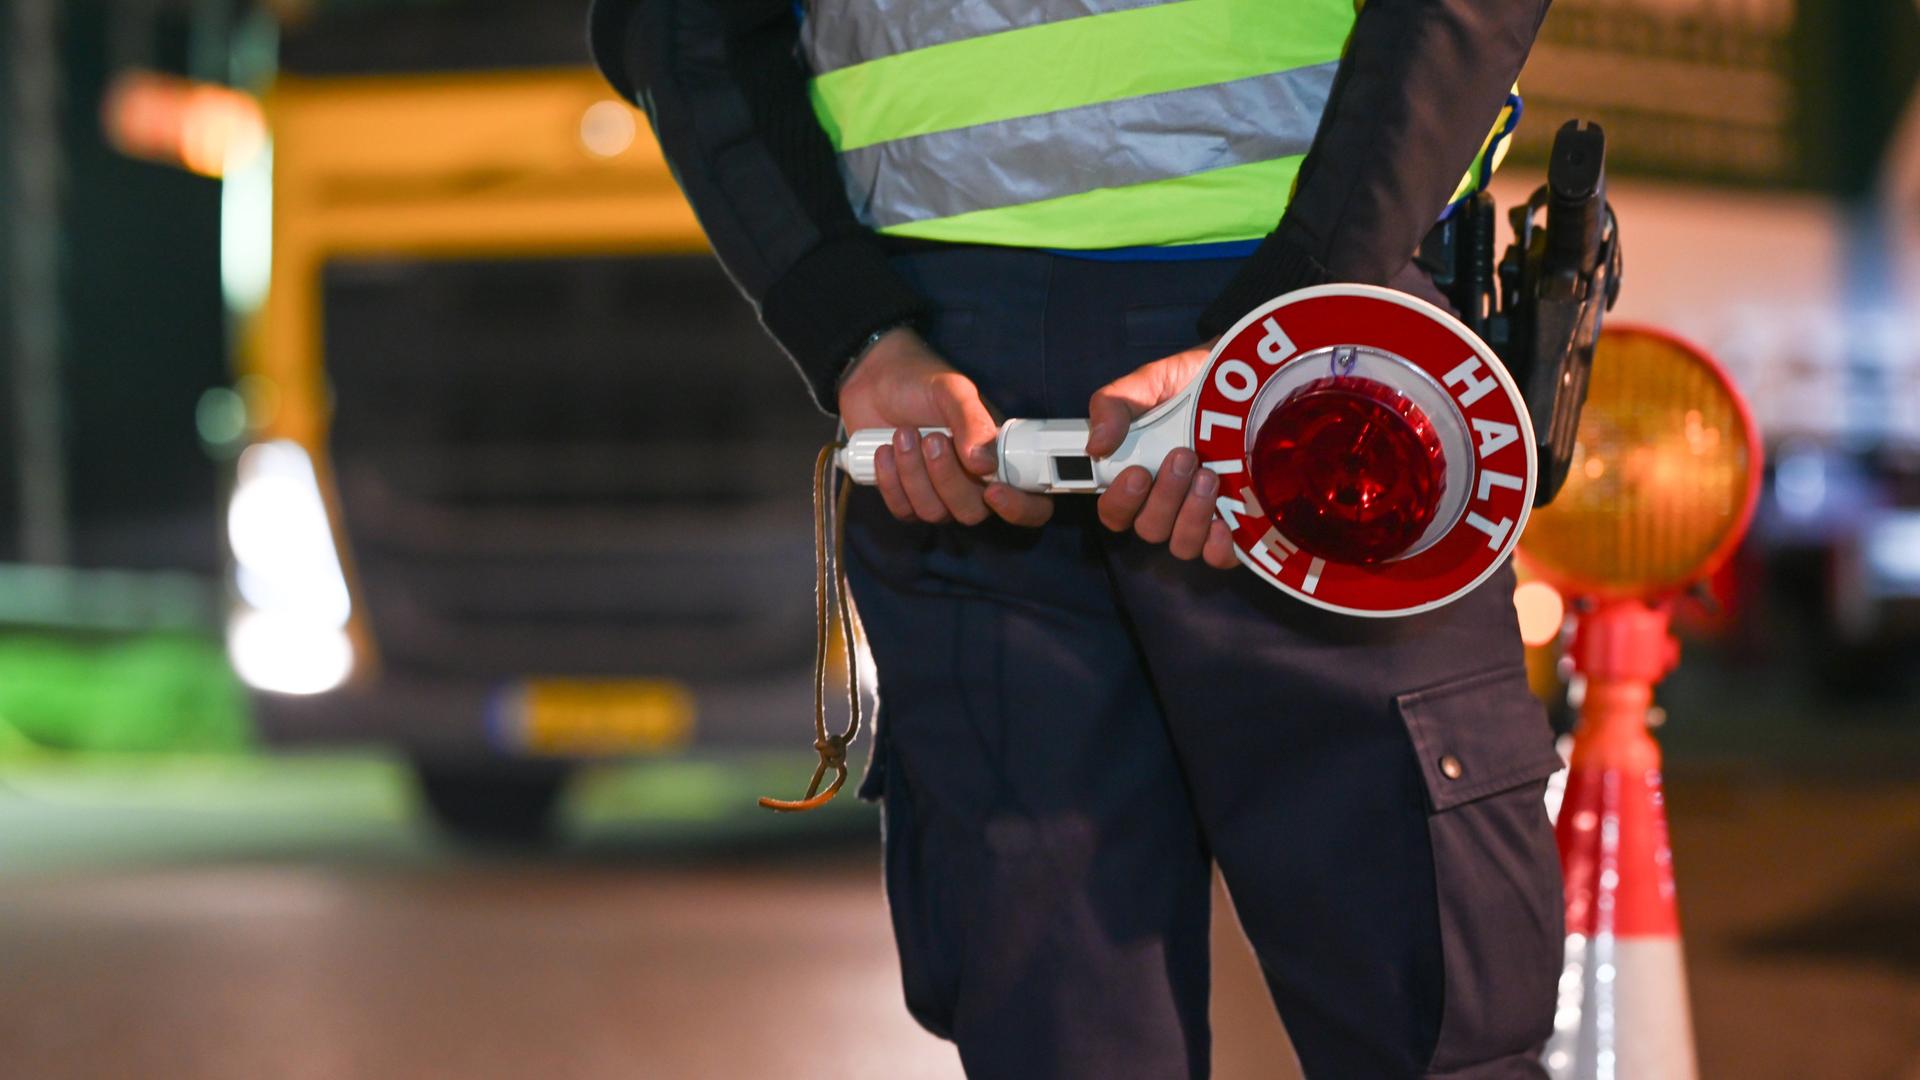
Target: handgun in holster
[1540,308]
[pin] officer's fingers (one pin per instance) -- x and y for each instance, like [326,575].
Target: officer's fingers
[1155,522]
[1122,500]
[1196,513]
[960,492]
[912,467]
[1019,507]
[974,431]
[887,479]
[1219,550]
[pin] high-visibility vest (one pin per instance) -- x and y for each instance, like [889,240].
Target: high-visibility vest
[1076,124]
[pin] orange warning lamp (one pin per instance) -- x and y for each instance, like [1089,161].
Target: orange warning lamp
[1665,473]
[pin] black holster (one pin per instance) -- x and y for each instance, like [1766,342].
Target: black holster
[1540,307]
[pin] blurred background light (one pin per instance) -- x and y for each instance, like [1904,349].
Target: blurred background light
[280,536]
[246,230]
[220,417]
[289,633]
[286,654]
[1541,610]
[607,128]
[1893,552]
[201,127]
[1800,482]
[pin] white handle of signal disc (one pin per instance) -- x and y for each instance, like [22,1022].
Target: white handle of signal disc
[1049,456]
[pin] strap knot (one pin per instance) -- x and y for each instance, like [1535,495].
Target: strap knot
[832,749]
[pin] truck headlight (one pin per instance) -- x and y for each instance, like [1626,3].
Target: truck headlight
[289,632]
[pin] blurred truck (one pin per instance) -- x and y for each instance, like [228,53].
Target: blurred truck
[519,482]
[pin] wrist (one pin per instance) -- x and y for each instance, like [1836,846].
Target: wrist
[881,358]
[878,341]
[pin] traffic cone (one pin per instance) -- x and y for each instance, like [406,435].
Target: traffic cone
[1622,1011]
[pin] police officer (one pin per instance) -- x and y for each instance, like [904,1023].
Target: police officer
[1045,207]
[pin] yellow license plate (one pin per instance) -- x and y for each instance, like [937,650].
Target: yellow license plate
[572,716]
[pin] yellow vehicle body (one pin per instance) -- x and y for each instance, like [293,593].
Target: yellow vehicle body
[461,165]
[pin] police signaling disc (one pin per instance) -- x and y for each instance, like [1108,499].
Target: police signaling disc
[1374,456]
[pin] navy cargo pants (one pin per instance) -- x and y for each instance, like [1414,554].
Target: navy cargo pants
[1074,725]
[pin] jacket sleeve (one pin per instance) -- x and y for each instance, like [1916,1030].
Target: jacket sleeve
[726,90]
[1416,93]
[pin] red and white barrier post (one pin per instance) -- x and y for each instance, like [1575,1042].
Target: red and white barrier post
[1622,1012]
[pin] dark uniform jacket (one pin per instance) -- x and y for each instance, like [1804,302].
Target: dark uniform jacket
[725,85]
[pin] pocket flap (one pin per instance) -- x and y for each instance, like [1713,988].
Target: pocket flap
[1479,735]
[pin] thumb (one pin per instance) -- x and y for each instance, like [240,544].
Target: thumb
[1115,407]
[974,430]
[1118,404]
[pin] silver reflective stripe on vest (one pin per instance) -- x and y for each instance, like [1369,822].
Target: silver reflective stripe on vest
[1104,145]
[842,33]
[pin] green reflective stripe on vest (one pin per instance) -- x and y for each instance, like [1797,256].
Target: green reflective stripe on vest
[1076,123]
[1238,203]
[1111,144]
[1076,62]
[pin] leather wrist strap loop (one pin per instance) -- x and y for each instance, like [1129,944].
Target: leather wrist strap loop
[830,603]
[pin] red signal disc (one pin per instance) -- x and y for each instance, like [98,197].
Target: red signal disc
[1349,468]
[1309,326]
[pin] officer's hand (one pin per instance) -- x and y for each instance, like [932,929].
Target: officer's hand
[903,384]
[1176,505]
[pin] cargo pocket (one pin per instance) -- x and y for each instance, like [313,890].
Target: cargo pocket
[1485,752]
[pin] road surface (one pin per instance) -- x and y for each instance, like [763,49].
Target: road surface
[294,919]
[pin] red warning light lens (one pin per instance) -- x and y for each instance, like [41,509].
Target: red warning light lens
[1349,469]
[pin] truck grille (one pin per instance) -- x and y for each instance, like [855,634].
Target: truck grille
[586,467]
